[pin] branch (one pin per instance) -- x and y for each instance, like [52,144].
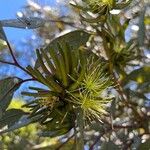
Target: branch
[17,84]
[59,147]
[17,65]
[12,54]
[6,62]
[109,130]
[97,139]
[119,87]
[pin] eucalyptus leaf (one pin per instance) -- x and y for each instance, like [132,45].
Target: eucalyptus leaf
[2,45]
[113,107]
[59,124]
[54,133]
[10,117]
[147,20]
[7,88]
[141,31]
[1,113]
[2,33]
[144,146]
[122,4]
[75,39]
[24,121]
[80,123]
[140,75]
[109,146]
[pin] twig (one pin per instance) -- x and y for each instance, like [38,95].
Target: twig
[17,65]
[124,97]
[119,87]
[6,62]
[97,139]
[12,54]
[128,144]
[16,85]
[110,129]
[59,147]
[15,60]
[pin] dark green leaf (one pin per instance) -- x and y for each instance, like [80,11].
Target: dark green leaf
[109,146]
[2,33]
[10,117]
[140,75]
[75,39]
[23,122]
[59,124]
[141,32]
[80,123]
[7,89]
[113,107]
[1,113]
[54,133]
[122,5]
[145,146]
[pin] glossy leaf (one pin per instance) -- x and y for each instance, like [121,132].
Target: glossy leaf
[21,123]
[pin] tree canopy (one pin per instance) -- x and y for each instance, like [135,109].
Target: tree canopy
[89,85]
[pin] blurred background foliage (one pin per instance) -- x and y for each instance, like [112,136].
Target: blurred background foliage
[124,40]
[27,138]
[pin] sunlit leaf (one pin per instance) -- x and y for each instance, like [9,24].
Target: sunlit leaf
[75,39]
[147,20]
[2,45]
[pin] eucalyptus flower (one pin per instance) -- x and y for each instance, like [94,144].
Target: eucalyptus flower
[100,2]
[90,96]
[98,5]
[49,102]
[70,83]
[93,107]
[96,80]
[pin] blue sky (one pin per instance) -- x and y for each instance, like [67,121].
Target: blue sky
[8,10]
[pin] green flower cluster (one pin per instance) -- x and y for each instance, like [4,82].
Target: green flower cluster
[74,79]
[100,9]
